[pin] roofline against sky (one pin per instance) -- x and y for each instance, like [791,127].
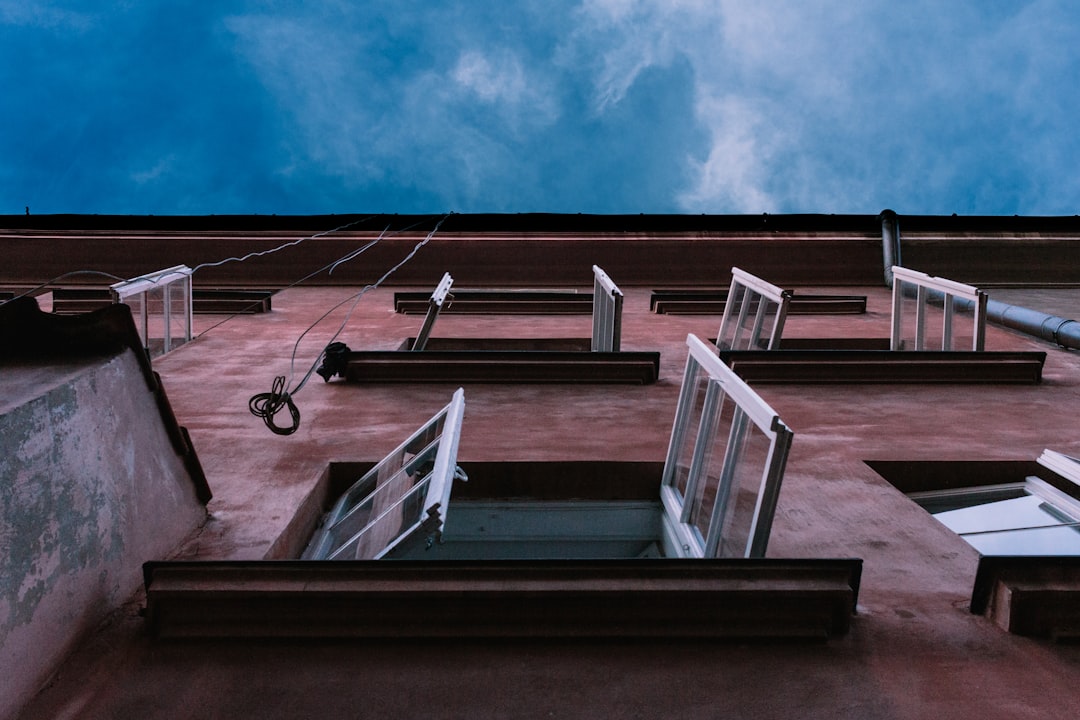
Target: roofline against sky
[552,222]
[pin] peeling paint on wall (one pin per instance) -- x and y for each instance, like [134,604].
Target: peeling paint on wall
[90,488]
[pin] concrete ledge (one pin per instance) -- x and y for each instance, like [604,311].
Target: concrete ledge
[712,302]
[884,366]
[503,366]
[1034,596]
[500,302]
[772,598]
[76,300]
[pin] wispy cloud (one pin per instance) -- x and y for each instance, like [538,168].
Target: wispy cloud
[596,106]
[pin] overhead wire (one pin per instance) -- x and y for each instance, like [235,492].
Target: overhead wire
[58,278]
[152,277]
[291,243]
[267,405]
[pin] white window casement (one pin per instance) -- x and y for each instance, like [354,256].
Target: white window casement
[400,501]
[607,313]
[952,295]
[1022,518]
[160,304]
[724,465]
[435,304]
[754,314]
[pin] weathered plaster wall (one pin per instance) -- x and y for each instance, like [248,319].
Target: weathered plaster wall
[90,488]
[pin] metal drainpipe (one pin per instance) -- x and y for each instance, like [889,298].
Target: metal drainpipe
[890,243]
[1065,333]
[1036,323]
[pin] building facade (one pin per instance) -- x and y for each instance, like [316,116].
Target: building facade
[227,620]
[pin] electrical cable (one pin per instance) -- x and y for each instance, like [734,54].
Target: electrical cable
[330,267]
[151,277]
[267,405]
[58,278]
[291,243]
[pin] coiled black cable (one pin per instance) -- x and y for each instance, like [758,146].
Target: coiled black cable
[267,405]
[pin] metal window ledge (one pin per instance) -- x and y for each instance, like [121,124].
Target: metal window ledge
[711,302]
[744,599]
[1033,596]
[874,366]
[503,366]
[501,302]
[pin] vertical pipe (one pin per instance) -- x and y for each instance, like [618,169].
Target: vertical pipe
[890,243]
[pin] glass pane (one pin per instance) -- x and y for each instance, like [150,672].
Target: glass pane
[179,332]
[155,318]
[382,518]
[713,455]
[748,472]
[1044,541]
[962,327]
[735,310]
[908,317]
[1003,527]
[137,303]
[751,322]
[691,407]
[1027,511]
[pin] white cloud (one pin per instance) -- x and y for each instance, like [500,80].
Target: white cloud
[162,167]
[733,176]
[499,78]
[490,81]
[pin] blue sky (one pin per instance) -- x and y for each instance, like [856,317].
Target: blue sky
[596,106]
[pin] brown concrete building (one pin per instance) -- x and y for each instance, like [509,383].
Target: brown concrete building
[539,599]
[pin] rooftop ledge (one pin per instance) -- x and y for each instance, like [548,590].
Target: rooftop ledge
[727,598]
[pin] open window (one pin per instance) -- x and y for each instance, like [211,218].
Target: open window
[595,359]
[760,356]
[1030,517]
[1023,518]
[754,314]
[953,297]
[724,464]
[435,304]
[160,303]
[400,501]
[607,313]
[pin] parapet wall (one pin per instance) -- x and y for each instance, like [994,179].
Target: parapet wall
[91,486]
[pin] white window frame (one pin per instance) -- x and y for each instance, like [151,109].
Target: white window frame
[1059,505]
[1064,465]
[925,287]
[435,303]
[746,291]
[168,281]
[398,478]
[682,539]
[607,313]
